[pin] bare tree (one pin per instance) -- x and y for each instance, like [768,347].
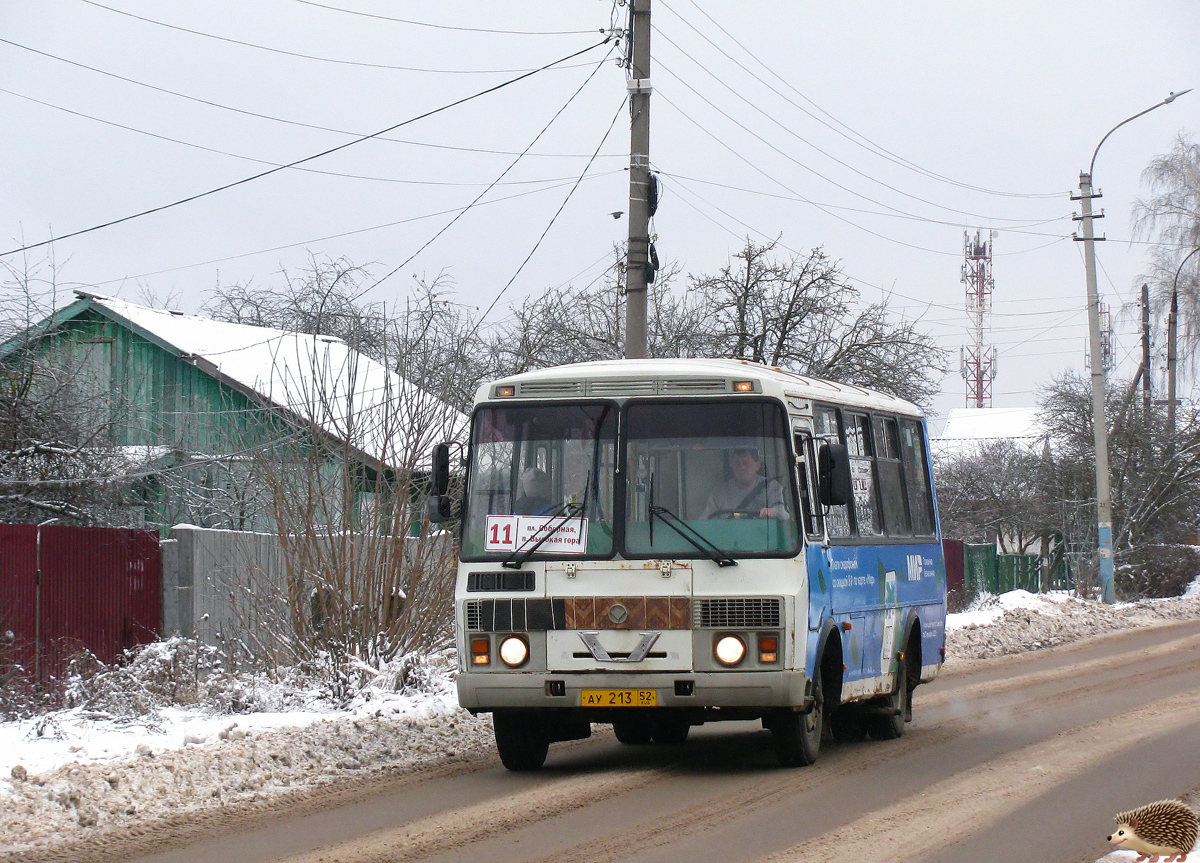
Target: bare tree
[995,492]
[801,313]
[1170,217]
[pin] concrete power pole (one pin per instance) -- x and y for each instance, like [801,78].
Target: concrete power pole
[1099,422]
[639,270]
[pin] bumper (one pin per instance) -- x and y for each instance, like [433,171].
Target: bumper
[748,689]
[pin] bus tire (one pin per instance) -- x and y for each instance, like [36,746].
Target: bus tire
[672,731]
[848,725]
[633,732]
[797,736]
[889,724]
[521,740]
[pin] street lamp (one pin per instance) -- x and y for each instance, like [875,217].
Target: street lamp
[1099,425]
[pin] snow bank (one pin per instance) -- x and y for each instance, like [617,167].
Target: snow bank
[112,765]
[1017,622]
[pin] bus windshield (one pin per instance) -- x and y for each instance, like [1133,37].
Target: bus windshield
[541,473]
[719,467]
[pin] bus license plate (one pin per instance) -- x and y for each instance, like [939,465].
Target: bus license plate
[618,698]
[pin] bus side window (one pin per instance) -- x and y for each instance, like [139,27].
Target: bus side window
[808,501]
[862,474]
[916,478]
[891,483]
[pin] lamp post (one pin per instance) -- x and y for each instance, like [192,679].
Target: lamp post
[1099,424]
[1172,355]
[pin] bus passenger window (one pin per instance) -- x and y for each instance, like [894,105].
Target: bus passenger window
[891,484]
[862,475]
[916,478]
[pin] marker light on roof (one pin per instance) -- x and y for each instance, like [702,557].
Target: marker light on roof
[743,386]
[506,392]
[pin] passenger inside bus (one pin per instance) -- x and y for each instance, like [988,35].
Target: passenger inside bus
[747,494]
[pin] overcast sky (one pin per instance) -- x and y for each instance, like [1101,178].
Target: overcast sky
[818,123]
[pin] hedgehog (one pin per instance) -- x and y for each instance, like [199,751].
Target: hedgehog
[1167,827]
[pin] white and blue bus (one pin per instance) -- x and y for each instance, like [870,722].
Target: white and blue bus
[657,544]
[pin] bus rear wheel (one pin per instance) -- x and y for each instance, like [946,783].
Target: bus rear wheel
[672,731]
[888,722]
[521,739]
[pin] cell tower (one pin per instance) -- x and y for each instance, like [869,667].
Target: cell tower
[979,359]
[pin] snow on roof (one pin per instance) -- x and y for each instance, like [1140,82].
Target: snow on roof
[317,378]
[967,428]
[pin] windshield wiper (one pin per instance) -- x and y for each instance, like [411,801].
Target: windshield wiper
[567,510]
[718,556]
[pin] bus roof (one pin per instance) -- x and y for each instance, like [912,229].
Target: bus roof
[686,377]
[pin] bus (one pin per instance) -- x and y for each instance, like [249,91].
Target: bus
[657,544]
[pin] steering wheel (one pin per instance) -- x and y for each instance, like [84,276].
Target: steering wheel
[734,513]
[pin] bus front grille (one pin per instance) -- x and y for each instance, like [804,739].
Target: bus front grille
[737,613]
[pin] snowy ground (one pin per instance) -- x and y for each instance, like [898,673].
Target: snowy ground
[74,772]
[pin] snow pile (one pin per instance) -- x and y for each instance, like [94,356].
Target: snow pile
[1017,622]
[73,772]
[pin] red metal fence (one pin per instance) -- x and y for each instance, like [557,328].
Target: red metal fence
[67,588]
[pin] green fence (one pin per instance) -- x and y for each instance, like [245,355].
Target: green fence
[985,570]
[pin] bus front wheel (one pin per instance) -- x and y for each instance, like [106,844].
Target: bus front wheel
[797,736]
[521,739]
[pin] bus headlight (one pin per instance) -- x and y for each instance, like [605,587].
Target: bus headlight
[514,651]
[729,650]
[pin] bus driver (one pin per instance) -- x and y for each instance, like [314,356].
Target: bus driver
[746,494]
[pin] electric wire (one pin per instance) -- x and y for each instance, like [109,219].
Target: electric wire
[301,55]
[810,144]
[246,158]
[802,198]
[502,175]
[1015,229]
[310,158]
[323,239]
[815,172]
[553,219]
[447,26]
[878,150]
[299,123]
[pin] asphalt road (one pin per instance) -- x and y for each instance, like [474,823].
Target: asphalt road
[1024,757]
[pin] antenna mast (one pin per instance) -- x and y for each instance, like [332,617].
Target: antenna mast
[978,360]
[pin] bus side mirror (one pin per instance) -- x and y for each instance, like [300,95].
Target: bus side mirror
[441,468]
[438,509]
[833,470]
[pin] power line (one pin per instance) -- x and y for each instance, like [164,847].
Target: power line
[319,155]
[1015,229]
[302,55]
[325,238]
[809,143]
[286,121]
[243,157]
[878,150]
[817,173]
[553,219]
[503,173]
[447,26]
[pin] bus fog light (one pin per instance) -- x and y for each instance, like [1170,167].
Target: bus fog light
[514,651]
[729,650]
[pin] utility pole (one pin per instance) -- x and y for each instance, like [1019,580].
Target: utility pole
[1145,352]
[639,271]
[1099,423]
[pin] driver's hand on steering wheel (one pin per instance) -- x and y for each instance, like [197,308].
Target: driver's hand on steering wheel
[767,512]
